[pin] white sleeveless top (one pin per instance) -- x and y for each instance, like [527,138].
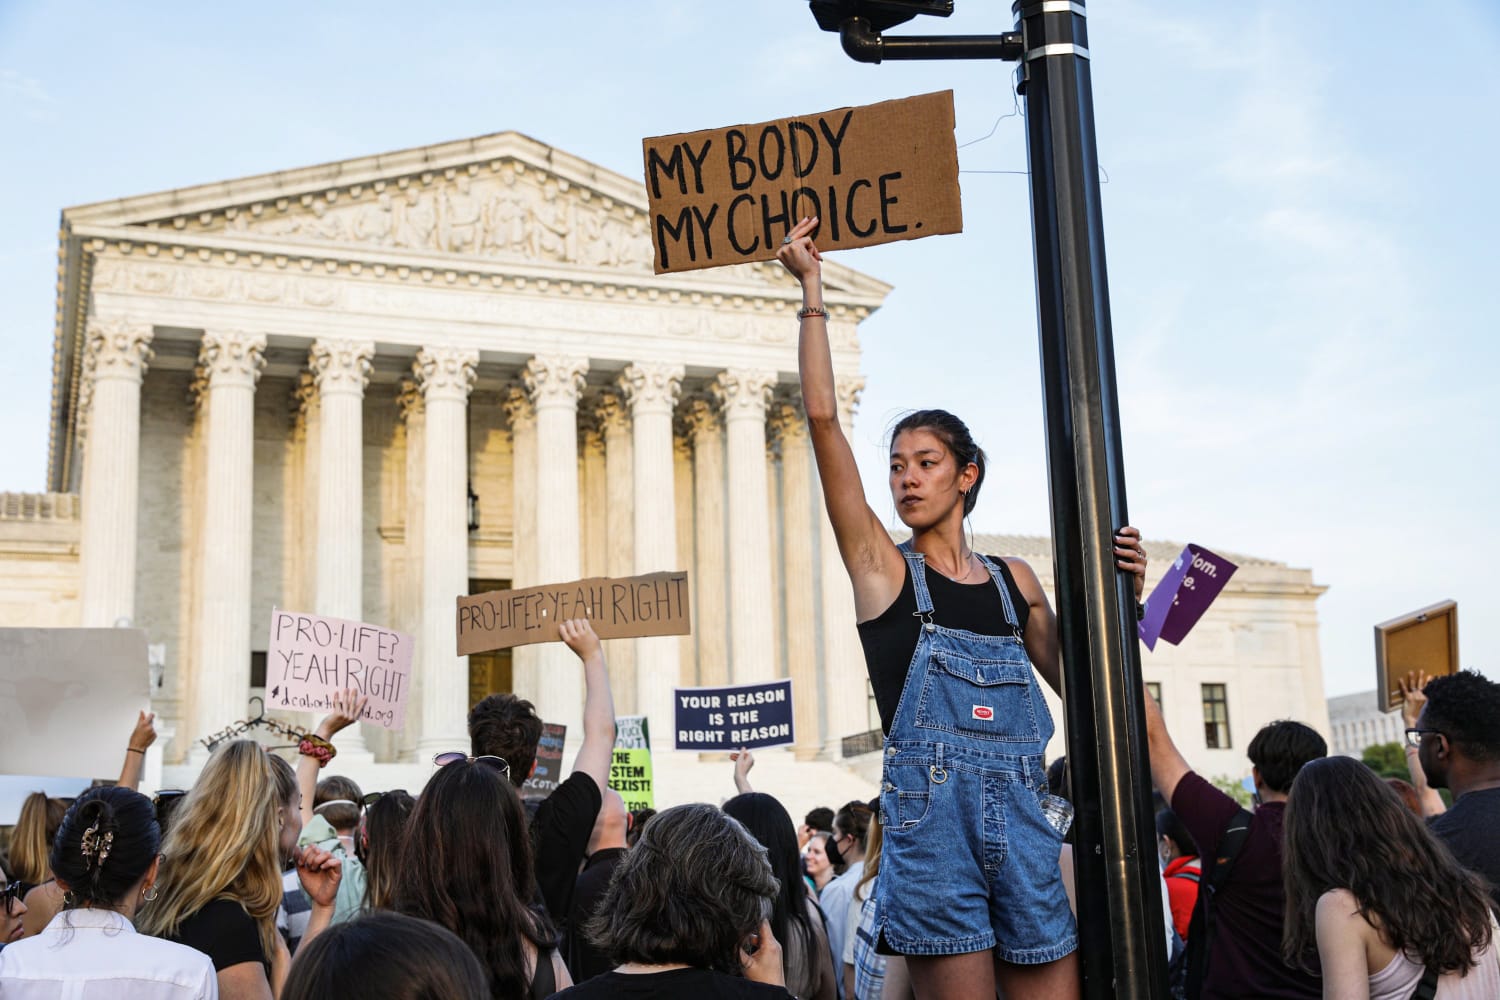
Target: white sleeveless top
[1398,979]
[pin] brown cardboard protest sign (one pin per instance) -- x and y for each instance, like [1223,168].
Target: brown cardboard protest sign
[873,174]
[620,608]
[1425,640]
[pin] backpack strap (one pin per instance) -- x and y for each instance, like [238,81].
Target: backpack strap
[1211,880]
[1427,988]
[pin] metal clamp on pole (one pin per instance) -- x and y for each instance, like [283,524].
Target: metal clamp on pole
[863,43]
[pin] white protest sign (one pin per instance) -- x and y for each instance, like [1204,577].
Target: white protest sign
[313,657]
[69,698]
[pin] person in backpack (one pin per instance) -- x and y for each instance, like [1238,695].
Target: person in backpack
[1241,900]
[1182,868]
[1378,901]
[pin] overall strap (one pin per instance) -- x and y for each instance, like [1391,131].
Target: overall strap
[1011,618]
[917,567]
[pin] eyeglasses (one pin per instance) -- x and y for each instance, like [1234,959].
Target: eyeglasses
[488,760]
[1414,736]
[373,797]
[12,893]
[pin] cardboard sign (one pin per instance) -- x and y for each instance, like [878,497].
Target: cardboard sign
[654,604]
[748,716]
[873,174]
[69,699]
[549,753]
[630,765]
[1183,595]
[312,657]
[1425,640]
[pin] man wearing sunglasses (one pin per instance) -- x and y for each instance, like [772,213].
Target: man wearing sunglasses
[507,728]
[1457,741]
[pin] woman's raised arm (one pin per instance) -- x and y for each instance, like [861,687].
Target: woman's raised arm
[872,559]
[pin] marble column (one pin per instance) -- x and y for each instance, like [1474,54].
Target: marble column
[799,539]
[229,367]
[554,383]
[593,514]
[710,621]
[115,356]
[682,470]
[445,376]
[743,396]
[520,415]
[845,679]
[613,417]
[651,390]
[409,619]
[341,369]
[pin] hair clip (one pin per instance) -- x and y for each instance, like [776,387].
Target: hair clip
[96,846]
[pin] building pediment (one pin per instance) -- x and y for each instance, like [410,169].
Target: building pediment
[498,198]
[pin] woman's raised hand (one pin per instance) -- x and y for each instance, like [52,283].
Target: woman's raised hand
[347,707]
[320,873]
[1130,555]
[798,254]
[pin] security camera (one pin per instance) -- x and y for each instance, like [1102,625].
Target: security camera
[881,14]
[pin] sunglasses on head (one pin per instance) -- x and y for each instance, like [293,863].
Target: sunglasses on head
[373,797]
[488,760]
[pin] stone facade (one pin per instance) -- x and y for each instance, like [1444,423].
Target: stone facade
[364,388]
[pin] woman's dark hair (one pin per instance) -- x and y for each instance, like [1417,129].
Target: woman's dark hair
[954,433]
[820,818]
[106,843]
[386,956]
[466,865]
[385,838]
[691,890]
[1345,828]
[1170,825]
[770,823]
[853,818]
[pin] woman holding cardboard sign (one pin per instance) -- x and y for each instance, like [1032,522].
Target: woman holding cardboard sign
[970,889]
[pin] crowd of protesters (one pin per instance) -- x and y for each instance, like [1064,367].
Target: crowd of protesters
[266,880]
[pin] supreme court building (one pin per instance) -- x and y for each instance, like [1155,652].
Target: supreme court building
[364,388]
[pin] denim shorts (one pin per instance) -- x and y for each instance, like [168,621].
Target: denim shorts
[968,861]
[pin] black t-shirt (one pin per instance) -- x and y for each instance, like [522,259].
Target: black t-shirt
[224,932]
[1469,831]
[560,838]
[584,960]
[686,984]
[891,638]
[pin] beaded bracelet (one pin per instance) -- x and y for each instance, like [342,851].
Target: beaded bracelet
[318,748]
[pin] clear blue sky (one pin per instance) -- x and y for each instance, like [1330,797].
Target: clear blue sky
[1300,219]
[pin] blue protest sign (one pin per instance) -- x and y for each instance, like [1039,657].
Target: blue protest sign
[728,718]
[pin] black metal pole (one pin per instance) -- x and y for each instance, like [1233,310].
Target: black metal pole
[1120,924]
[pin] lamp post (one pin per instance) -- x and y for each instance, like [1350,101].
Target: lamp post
[1121,928]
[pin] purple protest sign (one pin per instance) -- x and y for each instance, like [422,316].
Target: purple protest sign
[1183,595]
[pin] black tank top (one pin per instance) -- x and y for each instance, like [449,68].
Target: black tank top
[890,639]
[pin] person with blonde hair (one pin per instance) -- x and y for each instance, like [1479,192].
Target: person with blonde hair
[220,883]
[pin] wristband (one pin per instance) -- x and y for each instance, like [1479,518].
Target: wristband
[134,750]
[317,748]
[812,311]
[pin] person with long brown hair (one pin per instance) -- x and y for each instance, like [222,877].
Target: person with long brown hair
[381,839]
[220,883]
[30,845]
[1374,898]
[467,866]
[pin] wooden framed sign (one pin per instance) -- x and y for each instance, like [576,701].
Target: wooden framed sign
[1425,640]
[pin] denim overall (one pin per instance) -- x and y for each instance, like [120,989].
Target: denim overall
[968,860]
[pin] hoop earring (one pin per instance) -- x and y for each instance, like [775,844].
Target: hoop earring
[150,893]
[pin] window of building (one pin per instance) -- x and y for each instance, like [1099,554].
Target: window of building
[489,672]
[1215,717]
[257,669]
[1155,688]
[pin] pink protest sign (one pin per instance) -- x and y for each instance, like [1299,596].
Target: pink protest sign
[312,657]
[1183,595]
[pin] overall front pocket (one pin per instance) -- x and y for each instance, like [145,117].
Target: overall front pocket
[986,699]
